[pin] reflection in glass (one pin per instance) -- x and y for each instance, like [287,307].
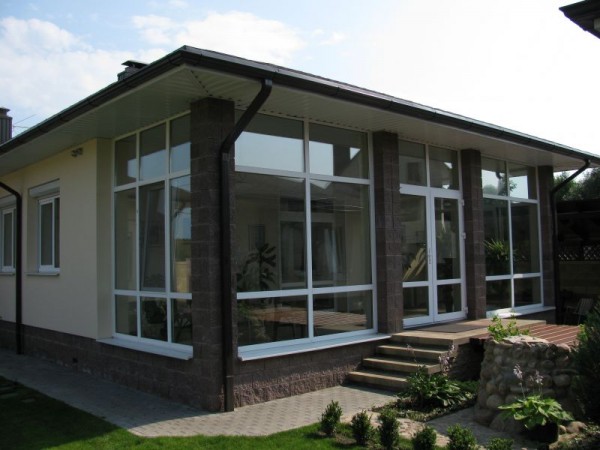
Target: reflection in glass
[272,320]
[448,298]
[8,239]
[342,312]
[416,301]
[180,144]
[498,294]
[152,152]
[493,177]
[152,237]
[271,143]
[496,229]
[443,168]
[125,161]
[126,315]
[526,252]
[412,163]
[270,249]
[447,238]
[527,291]
[154,318]
[414,237]
[181,321]
[334,151]
[46,240]
[340,234]
[181,235]
[125,240]
[522,181]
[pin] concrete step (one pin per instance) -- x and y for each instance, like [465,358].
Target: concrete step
[428,353]
[379,379]
[406,366]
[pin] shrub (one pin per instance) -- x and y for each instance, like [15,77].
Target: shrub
[587,383]
[389,435]
[330,419]
[434,390]
[424,439]
[499,331]
[362,430]
[461,439]
[500,444]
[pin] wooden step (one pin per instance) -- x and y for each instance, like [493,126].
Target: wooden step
[428,353]
[375,378]
[392,364]
[418,340]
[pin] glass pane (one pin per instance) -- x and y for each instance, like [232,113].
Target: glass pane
[443,168]
[181,235]
[271,143]
[447,238]
[416,301]
[46,235]
[270,229]
[272,320]
[126,315]
[334,151]
[180,144]
[497,294]
[125,161]
[448,298]
[522,181]
[414,238]
[56,236]
[152,237]
[342,312]
[493,177]
[496,231]
[341,244]
[182,321]
[152,152]
[412,163]
[7,239]
[154,318]
[527,291]
[125,240]
[526,249]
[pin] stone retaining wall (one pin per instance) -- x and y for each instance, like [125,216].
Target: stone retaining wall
[499,385]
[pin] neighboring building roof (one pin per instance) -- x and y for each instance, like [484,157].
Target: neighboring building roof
[586,14]
[168,86]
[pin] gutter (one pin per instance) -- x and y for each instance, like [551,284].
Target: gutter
[226,263]
[559,313]
[18,269]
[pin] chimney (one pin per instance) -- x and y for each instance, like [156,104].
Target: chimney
[5,125]
[131,67]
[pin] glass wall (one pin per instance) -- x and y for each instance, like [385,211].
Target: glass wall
[303,237]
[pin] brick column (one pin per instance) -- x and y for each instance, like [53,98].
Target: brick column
[475,237]
[211,121]
[387,232]
[546,182]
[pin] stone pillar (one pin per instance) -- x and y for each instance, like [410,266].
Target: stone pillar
[387,232]
[546,183]
[211,121]
[475,237]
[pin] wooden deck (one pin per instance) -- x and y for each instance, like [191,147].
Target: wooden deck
[555,334]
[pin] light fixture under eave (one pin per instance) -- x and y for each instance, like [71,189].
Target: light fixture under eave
[597,24]
[77,152]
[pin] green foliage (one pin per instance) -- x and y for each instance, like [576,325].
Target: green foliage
[536,410]
[500,444]
[362,430]
[424,439]
[389,434]
[499,331]
[587,365]
[257,273]
[330,419]
[585,187]
[434,390]
[461,439]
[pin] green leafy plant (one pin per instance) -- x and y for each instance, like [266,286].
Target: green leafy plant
[257,273]
[498,330]
[434,390]
[389,434]
[424,439]
[330,419]
[585,357]
[461,439]
[362,430]
[500,444]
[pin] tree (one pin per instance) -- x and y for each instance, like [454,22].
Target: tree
[585,188]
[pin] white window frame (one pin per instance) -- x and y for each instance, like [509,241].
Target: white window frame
[4,211]
[55,266]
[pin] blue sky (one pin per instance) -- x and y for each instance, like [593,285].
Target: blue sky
[518,64]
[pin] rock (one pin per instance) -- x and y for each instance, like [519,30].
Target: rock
[561,380]
[494,401]
[507,424]
[562,429]
[484,416]
[576,427]
[547,364]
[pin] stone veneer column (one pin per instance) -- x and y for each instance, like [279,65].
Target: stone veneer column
[475,237]
[387,232]
[546,183]
[211,121]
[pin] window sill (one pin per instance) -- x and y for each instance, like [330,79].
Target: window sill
[523,312]
[292,349]
[7,274]
[43,274]
[149,348]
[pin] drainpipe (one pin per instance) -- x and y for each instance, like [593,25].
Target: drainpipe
[18,269]
[559,313]
[227,301]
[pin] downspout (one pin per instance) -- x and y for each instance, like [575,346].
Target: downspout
[227,301]
[557,298]
[18,270]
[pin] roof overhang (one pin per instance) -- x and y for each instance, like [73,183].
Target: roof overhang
[586,14]
[168,86]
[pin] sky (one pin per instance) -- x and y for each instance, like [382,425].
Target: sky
[519,64]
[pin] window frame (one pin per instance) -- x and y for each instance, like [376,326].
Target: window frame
[4,211]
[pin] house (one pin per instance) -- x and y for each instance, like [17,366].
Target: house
[586,14]
[223,232]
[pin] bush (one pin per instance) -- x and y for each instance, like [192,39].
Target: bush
[461,439]
[389,436]
[434,390]
[500,444]
[587,383]
[330,419]
[424,439]
[499,331]
[362,430]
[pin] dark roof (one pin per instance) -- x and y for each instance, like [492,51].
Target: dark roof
[584,14]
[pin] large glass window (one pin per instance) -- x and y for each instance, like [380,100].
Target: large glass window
[152,234]
[49,234]
[7,239]
[303,237]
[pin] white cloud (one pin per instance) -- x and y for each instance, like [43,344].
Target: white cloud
[333,38]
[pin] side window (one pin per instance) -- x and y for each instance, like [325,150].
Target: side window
[49,232]
[7,239]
